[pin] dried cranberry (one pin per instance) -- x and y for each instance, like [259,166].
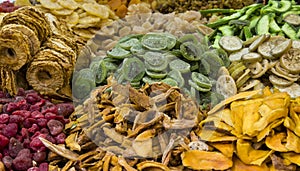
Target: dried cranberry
[24,133]
[42,122]
[34,108]
[28,122]
[4,118]
[19,99]
[2,94]
[23,161]
[51,139]
[36,144]
[34,128]
[60,138]
[23,113]
[37,114]
[50,116]
[33,169]
[26,143]
[49,107]
[55,127]
[10,107]
[65,109]
[44,167]
[10,130]
[39,156]
[19,137]
[22,105]
[21,92]
[1,156]
[38,133]
[16,119]
[32,98]
[7,161]
[3,141]
[14,147]
[44,131]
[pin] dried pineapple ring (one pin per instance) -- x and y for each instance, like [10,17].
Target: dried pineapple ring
[97,10]
[51,4]
[226,86]
[69,4]
[89,20]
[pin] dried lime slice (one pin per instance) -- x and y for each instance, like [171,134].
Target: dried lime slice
[191,51]
[282,48]
[279,81]
[177,76]
[291,60]
[226,86]
[100,70]
[180,65]
[118,53]
[153,74]
[237,56]
[188,38]
[201,80]
[231,43]
[133,69]
[195,85]
[251,57]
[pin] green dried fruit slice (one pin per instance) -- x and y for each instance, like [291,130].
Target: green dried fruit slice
[152,74]
[195,85]
[171,40]
[204,67]
[84,83]
[133,69]
[234,65]
[100,70]
[191,51]
[155,61]
[238,72]
[118,53]
[177,76]
[137,49]
[129,43]
[201,80]
[223,55]
[231,43]
[180,65]
[136,84]
[251,57]
[188,38]
[170,82]
[155,41]
[149,80]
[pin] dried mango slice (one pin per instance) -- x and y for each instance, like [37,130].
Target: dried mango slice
[275,142]
[292,142]
[226,149]
[204,160]
[292,157]
[249,155]
[238,165]
[262,134]
[151,165]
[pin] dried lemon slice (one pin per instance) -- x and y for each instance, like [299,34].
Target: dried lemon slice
[252,57]
[279,81]
[291,61]
[95,9]
[231,43]
[226,86]
[51,4]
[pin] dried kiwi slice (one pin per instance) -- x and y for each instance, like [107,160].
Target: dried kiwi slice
[155,61]
[152,74]
[118,53]
[201,80]
[100,70]
[188,38]
[170,82]
[231,43]
[223,55]
[150,80]
[195,85]
[129,43]
[137,49]
[177,76]
[180,65]
[155,41]
[133,69]
[84,83]
[191,51]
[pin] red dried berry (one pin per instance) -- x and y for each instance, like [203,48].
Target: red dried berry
[39,156]
[23,161]
[24,133]
[44,131]
[21,92]
[55,127]
[16,119]
[28,122]
[36,144]
[32,98]
[34,128]
[10,107]
[3,141]
[4,118]
[50,116]
[26,143]
[10,130]
[42,122]
[44,167]
[14,147]
[23,113]
[65,109]
[60,138]
[33,169]
[7,161]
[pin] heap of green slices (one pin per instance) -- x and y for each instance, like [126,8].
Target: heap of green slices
[186,62]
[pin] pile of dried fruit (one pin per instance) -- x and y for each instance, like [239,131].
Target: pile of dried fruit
[275,18]
[169,6]
[264,61]
[38,47]
[144,123]
[23,119]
